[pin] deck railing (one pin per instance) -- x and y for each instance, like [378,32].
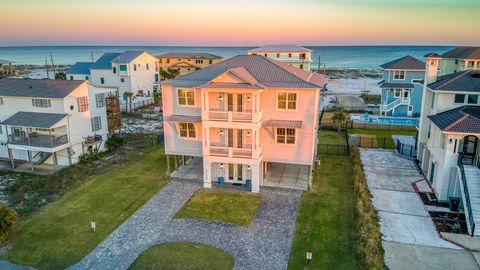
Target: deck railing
[231,116]
[47,141]
[466,194]
[234,152]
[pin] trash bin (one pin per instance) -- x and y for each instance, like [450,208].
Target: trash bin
[248,183]
[220,180]
[454,202]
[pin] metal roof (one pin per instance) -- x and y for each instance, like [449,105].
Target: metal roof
[463,52]
[265,71]
[464,119]
[34,119]
[127,56]
[464,81]
[183,65]
[230,85]
[189,55]
[184,118]
[105,61]
[282,123]
[38,88]
[406,62]
[80,68]
[396,85]
[279,48]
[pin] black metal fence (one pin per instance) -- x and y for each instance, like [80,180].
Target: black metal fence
[408,150]
[333,149]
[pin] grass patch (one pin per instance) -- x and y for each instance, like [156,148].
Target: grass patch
[325,222]
[384,136]
[369,237]
[327,116]
[59,235]
[181,255]
[331,137]
[220,205]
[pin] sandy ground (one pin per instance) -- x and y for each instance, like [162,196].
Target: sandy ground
[351,86]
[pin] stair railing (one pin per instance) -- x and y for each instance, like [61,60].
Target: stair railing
[465,191]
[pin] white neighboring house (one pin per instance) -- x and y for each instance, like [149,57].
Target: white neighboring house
[295,56]
[130,71]
[51,121]
[448,139]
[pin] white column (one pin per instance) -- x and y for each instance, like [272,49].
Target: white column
[207,173]
[255,169]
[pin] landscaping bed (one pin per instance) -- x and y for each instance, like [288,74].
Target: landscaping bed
[383,137]
[449,222]
[234,207]
[182,255]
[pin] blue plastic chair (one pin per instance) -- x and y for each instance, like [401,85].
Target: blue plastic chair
[220,180]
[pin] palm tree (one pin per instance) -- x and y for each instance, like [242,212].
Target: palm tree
[129,96]
[338,118]
[168,74]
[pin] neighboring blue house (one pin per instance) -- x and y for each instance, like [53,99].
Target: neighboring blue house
[401,87]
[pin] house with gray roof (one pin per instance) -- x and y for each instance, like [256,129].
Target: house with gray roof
[51,122]
[130,71]
[293,55]
[401,88]
[460,59]
[187,62]
[245,120]
[449,132]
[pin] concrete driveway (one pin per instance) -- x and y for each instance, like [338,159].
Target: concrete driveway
[410,239]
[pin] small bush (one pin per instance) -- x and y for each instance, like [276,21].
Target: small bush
[115,142]
[369,237]
[8,219]
[89,156]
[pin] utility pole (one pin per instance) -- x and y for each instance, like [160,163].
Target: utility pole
[319,66]
[91,54]
[53,65]
[46,67]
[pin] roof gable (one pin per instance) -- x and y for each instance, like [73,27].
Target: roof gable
[105,61]
[38,87]
[407,62]
[129,56]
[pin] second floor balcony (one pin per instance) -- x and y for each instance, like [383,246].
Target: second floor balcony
[38,140]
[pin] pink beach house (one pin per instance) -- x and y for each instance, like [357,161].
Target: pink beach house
[251,121]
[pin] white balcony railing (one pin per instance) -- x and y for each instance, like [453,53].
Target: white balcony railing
[390,106]
[247,117]
[235,152]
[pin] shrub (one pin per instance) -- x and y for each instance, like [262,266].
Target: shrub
[368,235]
[115,142]
[8,219]
[90,155]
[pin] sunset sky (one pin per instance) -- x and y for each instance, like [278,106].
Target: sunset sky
[239,22]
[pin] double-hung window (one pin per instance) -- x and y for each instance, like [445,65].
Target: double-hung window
[41,102]
[186,97]
[82,103]
[286,135]
[286,100]
[199,61]
[186,130]
[472,99]
[96,123]
[100,100]
[459,99]
[123,67]
[398,92]
[399,74]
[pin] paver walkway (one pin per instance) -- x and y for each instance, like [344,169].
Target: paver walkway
[409,236]
[263,245]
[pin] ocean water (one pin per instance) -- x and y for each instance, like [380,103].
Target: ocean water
[341,57]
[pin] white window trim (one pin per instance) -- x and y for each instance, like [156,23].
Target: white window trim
[187,138]
[399,71]
[49,103]
[99,123]
[286,144]
[286,109]
[186,105]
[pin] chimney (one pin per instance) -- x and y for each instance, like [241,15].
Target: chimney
[431,68]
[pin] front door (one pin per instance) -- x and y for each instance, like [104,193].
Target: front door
[235,172]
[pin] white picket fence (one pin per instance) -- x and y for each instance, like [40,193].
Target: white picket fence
[137,102]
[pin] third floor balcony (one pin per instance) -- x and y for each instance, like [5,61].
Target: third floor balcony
[232,107]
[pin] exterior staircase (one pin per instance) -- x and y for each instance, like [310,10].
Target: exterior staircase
[390,106]
[40,157]
[472,181]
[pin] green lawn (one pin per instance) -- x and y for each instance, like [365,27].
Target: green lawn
[60,235]
[382,135]
[325,220]
[181,256]
[331,137]
[234,207]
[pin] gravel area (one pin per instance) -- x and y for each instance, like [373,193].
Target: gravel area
[263,245]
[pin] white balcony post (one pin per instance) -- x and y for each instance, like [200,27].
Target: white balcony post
[207,174]
[255,171]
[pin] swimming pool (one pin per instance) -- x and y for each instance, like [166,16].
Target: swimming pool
[405,121]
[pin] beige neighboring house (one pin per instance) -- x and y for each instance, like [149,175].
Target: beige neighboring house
[6,68]
[187,62]
[295,56]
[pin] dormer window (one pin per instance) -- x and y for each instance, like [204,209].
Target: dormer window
[399,74]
